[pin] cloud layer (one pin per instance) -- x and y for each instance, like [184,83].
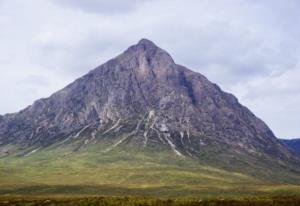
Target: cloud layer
[249,47]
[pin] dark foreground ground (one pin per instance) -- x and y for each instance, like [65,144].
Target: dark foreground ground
[140,201]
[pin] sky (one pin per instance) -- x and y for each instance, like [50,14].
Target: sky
[250,48]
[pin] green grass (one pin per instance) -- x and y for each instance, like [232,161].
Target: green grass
[126,170]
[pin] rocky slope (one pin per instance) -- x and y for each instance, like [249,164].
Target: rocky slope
[143,98]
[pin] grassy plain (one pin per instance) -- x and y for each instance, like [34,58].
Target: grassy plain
[127,171]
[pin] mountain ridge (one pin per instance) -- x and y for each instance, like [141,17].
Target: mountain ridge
[142,98]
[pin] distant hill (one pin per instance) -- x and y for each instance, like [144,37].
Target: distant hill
[293,144]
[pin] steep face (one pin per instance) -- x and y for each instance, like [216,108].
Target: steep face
[143,98]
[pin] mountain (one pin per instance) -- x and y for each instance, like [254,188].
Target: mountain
[293,144]
[142,110]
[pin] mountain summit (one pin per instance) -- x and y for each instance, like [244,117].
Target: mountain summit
[143,99]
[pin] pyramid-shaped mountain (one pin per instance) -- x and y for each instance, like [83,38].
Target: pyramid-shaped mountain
[143,99]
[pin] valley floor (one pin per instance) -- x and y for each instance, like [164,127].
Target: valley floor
[128,172]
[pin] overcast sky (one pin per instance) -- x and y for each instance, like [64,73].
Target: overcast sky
[251,48]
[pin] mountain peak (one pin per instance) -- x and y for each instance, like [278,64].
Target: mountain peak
[146,42]
[148,46]
[146,53]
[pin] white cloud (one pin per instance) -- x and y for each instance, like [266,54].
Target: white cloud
[249,47]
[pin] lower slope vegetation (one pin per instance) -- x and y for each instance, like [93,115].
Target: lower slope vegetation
[129,170]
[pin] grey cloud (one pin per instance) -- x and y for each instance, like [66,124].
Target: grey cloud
[99,6]
[36,81]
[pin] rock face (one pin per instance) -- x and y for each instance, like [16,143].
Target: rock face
[143,97]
